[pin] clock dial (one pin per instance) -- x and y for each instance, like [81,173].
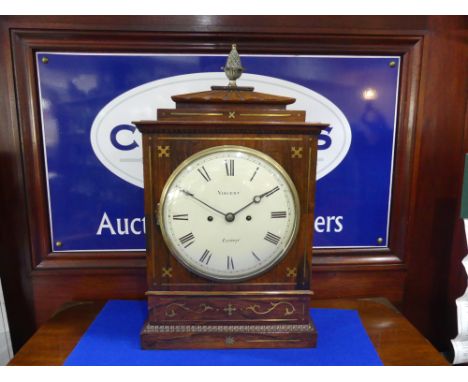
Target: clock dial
[229,213]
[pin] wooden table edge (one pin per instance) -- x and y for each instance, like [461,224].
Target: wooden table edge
[396,341]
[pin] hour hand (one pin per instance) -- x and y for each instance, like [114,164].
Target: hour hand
[201,201]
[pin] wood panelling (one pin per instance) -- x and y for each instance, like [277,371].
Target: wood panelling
[57,287]
[14,232]
[295,25]
[428,161]
[437,184]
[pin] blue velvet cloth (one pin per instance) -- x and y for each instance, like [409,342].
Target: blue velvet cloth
[113,339]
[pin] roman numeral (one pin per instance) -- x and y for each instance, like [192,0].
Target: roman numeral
[230,263]
[229,164]
[189,239]
[272,191]
[205,258]
[255,173]
[278,214]
[254,255]
[204,173]
[272,238]
[180,217]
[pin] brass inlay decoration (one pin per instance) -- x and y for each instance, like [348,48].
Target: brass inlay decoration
[306,242]
[230,340]
[231,114]
[264,115]
[288,310]
[171,309]
[296,152]
[229,309]
[174,309]
[291,272]
[269,320]
[167,272]
[186,114]
[272,340]
[164,151]
[221,293]
[230,139]
[149,153]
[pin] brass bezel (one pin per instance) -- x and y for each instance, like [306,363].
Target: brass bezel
[224,148]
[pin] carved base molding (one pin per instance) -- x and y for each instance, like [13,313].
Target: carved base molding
[222,336]
[149,328]
[215,320]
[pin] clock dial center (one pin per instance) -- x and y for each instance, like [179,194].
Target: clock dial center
[230,217]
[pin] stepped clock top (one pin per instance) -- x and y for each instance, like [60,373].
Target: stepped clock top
[232,93]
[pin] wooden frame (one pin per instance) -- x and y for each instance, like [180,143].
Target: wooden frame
[25,43]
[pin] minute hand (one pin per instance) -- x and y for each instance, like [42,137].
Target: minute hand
[201,201]
[257,199]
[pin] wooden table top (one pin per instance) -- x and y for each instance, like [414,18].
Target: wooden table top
[395,339]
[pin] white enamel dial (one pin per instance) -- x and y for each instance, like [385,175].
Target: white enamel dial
[229,213]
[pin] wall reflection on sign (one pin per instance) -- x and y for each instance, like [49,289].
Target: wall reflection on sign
[369,94]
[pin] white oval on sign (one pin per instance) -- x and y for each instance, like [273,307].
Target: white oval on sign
[117,143]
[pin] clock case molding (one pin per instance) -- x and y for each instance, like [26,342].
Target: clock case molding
[54,278]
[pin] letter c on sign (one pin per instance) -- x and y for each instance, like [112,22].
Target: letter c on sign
[113,136]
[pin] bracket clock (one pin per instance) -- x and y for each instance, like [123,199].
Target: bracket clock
[229,179]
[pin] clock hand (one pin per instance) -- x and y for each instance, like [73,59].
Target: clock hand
[256,199]
[201,201]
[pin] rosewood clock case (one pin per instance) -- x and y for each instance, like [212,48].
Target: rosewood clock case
[269,310]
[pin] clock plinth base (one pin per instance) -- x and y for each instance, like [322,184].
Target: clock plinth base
[242,319]
[228,336]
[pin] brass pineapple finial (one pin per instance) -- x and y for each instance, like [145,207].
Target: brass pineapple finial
[233,67]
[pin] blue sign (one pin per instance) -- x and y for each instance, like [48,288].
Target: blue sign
[93,152]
